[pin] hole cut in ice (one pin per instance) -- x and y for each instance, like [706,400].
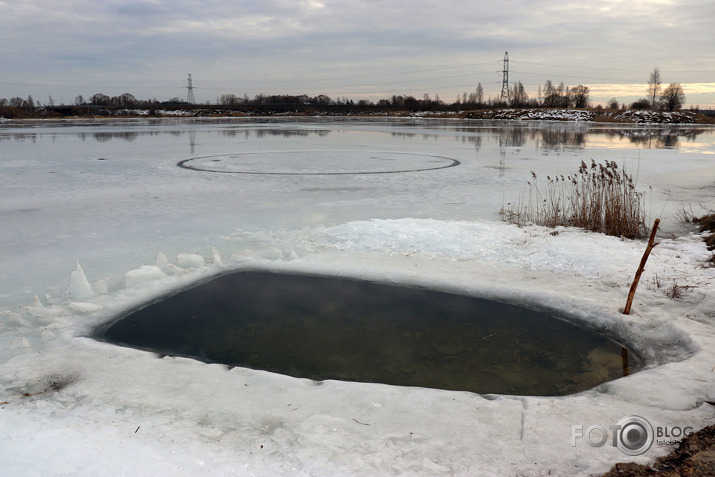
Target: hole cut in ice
[321,327]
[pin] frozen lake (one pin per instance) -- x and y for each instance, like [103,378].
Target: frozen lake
[110,192]
[394,200]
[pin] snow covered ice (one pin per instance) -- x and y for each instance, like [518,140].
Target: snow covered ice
[97,218]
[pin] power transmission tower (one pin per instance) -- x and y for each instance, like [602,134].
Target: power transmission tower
[190,95]
[505,80]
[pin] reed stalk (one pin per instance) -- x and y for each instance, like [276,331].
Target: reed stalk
[598,197]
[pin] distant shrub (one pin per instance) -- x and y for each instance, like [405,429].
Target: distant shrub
[12,112]
[601,198]
[642,103]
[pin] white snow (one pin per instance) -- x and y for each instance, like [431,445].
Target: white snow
[143,274]
[71,405]
[190,260]
[626,116]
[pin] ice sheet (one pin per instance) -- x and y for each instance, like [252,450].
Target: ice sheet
[110,196]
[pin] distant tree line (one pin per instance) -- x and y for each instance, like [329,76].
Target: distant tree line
[550,95]
[20,103]
[553,97]
[28,108]
[123,100]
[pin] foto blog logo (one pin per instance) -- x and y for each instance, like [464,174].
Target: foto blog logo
[633,435]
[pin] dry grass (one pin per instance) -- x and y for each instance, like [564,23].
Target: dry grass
[676,291]
[673,290]
[707,224]
[600,197]
[684,215]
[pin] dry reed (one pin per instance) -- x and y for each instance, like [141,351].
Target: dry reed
[600,197]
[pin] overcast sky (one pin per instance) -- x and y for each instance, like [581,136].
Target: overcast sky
[352,48]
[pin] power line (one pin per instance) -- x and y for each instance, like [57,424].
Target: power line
[353,77]
[571,66]
[579,77]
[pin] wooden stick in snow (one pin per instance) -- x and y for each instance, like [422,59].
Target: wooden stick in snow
[641,267]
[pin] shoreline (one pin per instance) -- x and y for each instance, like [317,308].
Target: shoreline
[595,115]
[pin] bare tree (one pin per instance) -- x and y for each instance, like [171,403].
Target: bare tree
[654,87]
[555,96]
[539,97]
[579,96]
[323,100]
[612,103]
[127,99]
[673,97]
[100,99]
[518,97]
[480,93]
[228,99]
[563,92]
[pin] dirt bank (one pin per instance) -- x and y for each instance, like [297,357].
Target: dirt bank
[694,455]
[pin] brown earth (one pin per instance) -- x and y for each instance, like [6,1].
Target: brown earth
[694,455]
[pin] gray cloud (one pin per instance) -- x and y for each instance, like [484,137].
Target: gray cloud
[345,47]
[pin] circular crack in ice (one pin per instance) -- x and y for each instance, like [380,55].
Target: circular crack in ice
[318,163]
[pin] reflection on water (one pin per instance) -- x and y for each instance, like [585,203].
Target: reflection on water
[554,138]
[272,133]
[109,136]
[653,138]
[335,328]
[545,136]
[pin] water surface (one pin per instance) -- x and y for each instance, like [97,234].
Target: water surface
[336,328]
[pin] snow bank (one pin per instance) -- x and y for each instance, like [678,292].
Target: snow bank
[627,116]
[72,405]
[143,274]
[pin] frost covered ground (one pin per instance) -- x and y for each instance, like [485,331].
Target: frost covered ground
[110,195]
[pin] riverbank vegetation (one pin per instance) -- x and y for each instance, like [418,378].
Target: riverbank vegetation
[598,197]
[158,110]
